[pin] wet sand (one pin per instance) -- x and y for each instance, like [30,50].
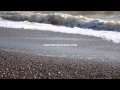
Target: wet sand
[18,65]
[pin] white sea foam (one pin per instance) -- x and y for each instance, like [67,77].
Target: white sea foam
[107,35]
[65,20]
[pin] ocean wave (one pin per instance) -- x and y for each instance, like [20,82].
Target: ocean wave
[113,36]
[65,20]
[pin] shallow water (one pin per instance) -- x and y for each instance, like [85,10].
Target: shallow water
[97,38]
[88,48]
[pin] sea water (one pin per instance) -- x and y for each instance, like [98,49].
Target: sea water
[102,24]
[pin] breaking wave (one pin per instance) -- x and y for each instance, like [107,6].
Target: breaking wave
[57,22]
[65,20]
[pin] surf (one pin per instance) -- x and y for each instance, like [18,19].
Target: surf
[67,20]
[63,23]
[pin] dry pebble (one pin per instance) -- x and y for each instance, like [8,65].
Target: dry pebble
[16,65]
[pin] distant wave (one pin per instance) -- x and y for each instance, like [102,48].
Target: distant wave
[65,20]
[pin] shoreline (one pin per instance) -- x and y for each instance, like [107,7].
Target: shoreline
[19,59]
[18,65]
